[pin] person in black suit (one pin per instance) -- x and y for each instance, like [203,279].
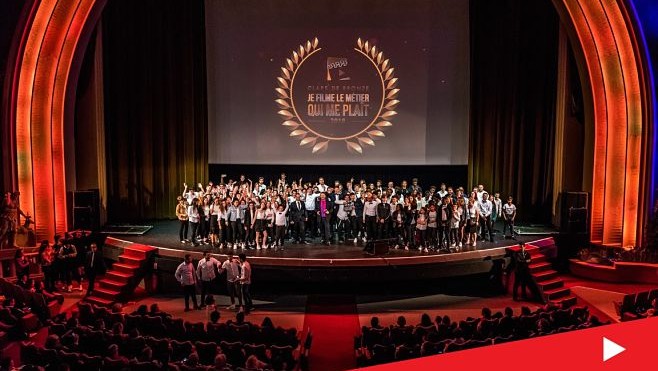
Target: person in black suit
[324,207]
[383,217]
[297,214]
[522,272]
[94,265]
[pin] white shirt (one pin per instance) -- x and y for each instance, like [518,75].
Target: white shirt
[246,273]
[205,270]
[309,201]
[479,194]
[498,206]
[193,214]
[280,217]
[232,270]
[370,208]
[185,274]
[509,210]
[485,208]
[322,187]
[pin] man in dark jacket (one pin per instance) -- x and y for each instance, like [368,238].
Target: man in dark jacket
[297,214]
[324,208]
[94,265]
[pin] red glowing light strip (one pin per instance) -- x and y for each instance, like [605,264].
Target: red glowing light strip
[616,122]
[600,117]
[58,113]
[31,57]
[633,97]
[42,139]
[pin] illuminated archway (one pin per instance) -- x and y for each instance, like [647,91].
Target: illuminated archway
[602,31]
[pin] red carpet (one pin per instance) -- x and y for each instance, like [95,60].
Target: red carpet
[334,321]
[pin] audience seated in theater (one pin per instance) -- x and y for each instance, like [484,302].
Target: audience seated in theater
[142,310]
[653,311]
[378,346]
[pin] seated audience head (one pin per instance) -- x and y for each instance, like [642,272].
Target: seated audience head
[267,322]
[239,318]
[220,361]
[486,313]
[425,320]
[214,316]
[374,322]
[402,321]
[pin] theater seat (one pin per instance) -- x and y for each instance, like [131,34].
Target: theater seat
[233,351]
[206,351]
[180,350]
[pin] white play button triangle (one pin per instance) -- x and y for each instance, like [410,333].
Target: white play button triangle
[611,349]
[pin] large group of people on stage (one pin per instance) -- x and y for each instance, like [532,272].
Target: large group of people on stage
[258,215]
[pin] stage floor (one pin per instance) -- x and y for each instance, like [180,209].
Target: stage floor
[164,235]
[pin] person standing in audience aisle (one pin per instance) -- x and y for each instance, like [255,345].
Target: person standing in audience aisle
[94,265]
[522,272]
[298,219]
[245,282]
[324,209]
[509,214]
[67,256]
[46,257]
[186,276]
[232,268]
[194,219]
[181,214]
[205,273]
[486,207]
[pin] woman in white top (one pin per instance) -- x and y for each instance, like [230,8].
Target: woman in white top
[205,220]
[473,219]
[214,221]
[421,229]
[432,226]
[279,225]
[260,225]
[455,220]
[194,218]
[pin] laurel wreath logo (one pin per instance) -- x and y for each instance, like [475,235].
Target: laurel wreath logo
[316,141]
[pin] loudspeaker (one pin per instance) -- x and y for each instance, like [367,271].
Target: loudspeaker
[574,212]
[86,210]
[377,247]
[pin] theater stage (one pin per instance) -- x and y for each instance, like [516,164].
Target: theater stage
[317,262]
